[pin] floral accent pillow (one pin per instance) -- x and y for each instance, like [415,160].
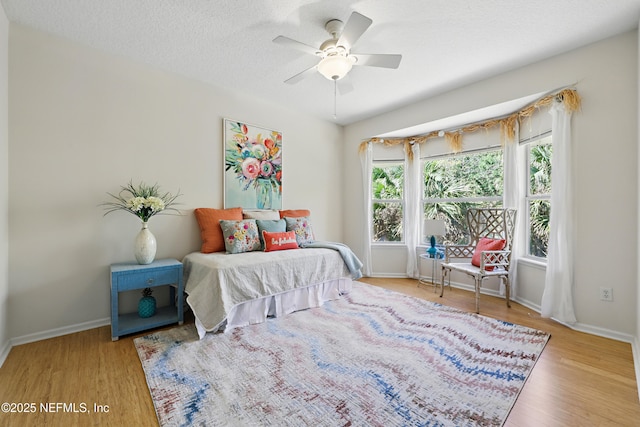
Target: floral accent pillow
[240,236]
[302,227]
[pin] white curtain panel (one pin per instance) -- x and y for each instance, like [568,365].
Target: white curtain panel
[515,188]
[366,162]
[413,211]
[557,299]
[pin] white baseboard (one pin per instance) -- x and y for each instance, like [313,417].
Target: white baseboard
[593,330]
[528,304]
[635,347]
[601,332]
[581,327]
[52,333]
[4,352]
[388,275]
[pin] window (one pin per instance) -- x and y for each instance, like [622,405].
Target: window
[538,196]
[388,201]
[453,184]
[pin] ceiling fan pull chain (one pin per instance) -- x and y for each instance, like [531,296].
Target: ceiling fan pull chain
[335,99]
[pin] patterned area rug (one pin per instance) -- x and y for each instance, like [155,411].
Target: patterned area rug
[372,358]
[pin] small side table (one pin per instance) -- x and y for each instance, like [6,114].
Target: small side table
[426,280]
[130,276]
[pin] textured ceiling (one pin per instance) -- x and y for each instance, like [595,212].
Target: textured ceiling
[228,43]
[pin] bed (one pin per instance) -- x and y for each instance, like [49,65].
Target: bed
[226,291]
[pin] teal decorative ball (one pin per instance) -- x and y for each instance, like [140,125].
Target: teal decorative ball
[147,307]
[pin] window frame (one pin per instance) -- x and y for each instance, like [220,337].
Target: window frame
[401,202]
[479,199]
[527,145]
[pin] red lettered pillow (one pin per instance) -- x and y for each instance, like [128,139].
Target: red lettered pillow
[486,244]
[279,241]
[210,230]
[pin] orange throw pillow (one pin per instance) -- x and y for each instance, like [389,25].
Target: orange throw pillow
[210,230]
[279,241]
[295,213]
[486,244]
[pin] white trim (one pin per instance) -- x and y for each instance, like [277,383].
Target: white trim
[497,294]
[57,332]
[472,288]
[389,244]
[533,262]
[51,333]
[528,197]
[598,331]
[635,348]
[5,352]
[533,138]
[526,303]
[478,199]
[580,327]
[490,147]
[387,275]
[402,202]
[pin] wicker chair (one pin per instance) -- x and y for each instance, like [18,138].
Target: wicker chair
[492,223]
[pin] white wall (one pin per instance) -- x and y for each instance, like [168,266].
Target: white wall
[606,164]
[636,343]
[85,122]
[4,185]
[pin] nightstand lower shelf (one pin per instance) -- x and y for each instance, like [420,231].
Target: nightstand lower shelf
[132,322]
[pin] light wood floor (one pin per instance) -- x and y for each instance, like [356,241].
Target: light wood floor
[579,380]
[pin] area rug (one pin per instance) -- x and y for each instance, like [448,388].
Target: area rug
[372,358]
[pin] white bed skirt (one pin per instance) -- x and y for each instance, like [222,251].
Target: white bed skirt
[257,310]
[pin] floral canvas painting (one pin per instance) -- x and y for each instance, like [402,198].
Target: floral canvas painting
[253,166]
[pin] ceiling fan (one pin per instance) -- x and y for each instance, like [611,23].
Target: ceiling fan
[335,54]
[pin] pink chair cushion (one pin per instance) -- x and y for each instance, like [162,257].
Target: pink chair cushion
[486,244]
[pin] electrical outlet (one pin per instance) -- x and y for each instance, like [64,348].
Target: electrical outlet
[606,294]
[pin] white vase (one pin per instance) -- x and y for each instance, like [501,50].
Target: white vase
[144,247]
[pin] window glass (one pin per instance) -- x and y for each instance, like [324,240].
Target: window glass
[539,196]
[387,201]
[453,185]
[387,222]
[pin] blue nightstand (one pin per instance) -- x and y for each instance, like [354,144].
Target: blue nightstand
[131,276]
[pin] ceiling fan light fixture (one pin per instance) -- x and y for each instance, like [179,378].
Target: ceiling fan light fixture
[335,67]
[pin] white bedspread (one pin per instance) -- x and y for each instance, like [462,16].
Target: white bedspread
[218,282]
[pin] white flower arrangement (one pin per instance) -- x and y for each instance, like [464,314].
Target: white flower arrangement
[144,201]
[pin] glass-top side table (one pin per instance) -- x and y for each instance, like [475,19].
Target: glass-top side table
[428,280]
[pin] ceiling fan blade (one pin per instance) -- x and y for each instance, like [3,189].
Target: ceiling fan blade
[378,60]
[295,79]
[286,41]
[353,29]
